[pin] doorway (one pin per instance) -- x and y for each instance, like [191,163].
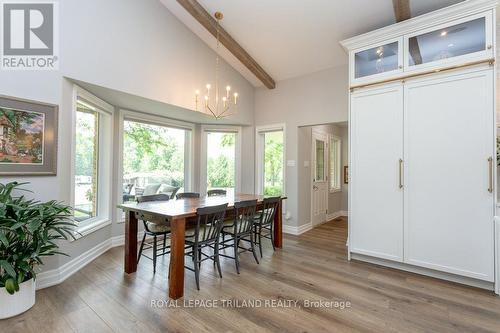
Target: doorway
[322,165]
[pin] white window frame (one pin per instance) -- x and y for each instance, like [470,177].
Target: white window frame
[259,154]
[205,129]
[105,161]
[335,140]
[128,115]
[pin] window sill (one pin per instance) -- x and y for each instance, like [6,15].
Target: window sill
[89,228]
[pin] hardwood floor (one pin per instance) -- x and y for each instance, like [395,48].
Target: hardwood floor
[313,266]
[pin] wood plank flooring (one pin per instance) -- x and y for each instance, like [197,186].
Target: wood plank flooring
[311,267]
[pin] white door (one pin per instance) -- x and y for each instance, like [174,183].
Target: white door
[449,203]
[319,196]
[376,205]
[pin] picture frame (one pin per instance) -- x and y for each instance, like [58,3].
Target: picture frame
[28,137]
[346,174]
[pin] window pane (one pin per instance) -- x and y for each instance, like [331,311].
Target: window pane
[153,159]
[376,60]
[457,40]
[320,160]
[273,163]
[335,164]
[86,163]
[221,158]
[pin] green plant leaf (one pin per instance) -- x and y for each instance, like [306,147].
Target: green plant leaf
[8,268]
[10,286]
[4,239]
[20,277]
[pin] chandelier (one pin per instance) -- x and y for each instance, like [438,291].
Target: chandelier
[218,104]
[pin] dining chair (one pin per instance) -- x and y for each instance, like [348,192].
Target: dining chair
[154,230]
[264,221]
[240,229]
[209,223]
[188,195]
[216,192]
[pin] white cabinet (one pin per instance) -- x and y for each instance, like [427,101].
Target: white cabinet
[423,144]
[377,147]
[449,138]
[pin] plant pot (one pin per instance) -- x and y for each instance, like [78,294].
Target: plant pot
[21,301]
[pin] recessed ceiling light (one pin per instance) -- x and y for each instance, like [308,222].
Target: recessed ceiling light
[444,33]
[451,45]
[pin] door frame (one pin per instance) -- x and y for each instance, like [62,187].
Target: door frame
[313,170]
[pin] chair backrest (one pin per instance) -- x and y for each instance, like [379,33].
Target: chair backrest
[168,189]
[188,195]
[269,209]
[209,223]
[216,192]
[153,197]
[244,216]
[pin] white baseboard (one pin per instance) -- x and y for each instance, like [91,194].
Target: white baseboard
[335,215]
[424,271]
[58,275]
[292,230]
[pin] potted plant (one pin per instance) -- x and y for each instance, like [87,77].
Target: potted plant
[29,231]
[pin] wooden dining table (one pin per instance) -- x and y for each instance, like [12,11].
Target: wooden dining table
[176,214]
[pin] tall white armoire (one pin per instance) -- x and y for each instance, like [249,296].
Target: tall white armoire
[423,144]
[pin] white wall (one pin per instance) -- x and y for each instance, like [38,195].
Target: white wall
[318,98]
[133,46]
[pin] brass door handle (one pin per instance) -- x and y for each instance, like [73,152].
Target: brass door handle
[401,171]
[490,174]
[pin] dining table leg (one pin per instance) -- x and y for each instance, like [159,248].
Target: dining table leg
[130,242]
[176,281]
[278,227]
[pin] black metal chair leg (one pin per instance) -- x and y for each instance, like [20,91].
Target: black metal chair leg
[216,259]
[260,241]
[236,259]
[164,242]
[196,269]
[253,248]
[154,253]
[141,248]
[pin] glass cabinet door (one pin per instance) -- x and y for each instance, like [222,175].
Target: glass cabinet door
[452,41]
[377,60]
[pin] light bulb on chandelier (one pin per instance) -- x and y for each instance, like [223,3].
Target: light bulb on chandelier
[212,105]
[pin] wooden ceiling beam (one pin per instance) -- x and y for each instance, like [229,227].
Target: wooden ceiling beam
[402,13]
[199,13]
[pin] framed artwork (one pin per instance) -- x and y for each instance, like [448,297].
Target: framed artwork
[346,174]
[28,137]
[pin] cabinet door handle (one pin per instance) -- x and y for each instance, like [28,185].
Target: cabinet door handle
[490,174]
[401,171]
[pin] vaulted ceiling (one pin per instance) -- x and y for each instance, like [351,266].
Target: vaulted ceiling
[291,38]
